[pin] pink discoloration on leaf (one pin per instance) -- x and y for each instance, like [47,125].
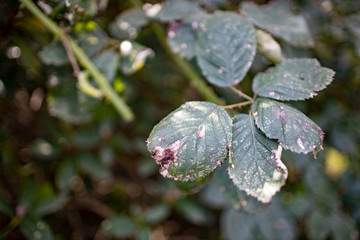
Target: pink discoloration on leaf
[166,156]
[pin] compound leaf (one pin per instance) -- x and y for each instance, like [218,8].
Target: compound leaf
[293,129]
[293,79]
[226,48]
[177,9]
[191,141]
[255,166]
[277,19]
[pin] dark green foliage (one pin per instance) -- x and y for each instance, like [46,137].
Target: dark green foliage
[71,167]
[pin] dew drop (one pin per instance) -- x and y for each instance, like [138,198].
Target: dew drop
[244,171]
[271,94]
[218,163]
[213,154]
[300,143]
[248,46]
[171,34]
[232,166]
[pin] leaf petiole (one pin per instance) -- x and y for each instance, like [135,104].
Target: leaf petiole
[238,105]
[241,94]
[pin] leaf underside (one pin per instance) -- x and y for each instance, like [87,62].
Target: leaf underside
[191,141]
[226,48]
[277,18]
[293,79]
[255,166]
[292,128]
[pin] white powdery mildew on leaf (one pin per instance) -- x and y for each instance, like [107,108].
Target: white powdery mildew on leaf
[226,48]
[191,141]
[293,79]
[277,18]
[256,165]
[293,129]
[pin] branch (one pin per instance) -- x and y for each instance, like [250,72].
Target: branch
[98,77]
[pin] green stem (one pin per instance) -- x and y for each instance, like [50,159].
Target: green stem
[188,71]
[98,77]
[241,94]
[238,105]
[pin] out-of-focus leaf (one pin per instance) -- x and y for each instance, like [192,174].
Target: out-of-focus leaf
[293,129]
[193,212]
[128,24]
[177,9]
[147,167]
[5,207]
[272,223]
[142,233]
[293,79]
[48,205]
[92,166]
[54,54]
[213,3]
[336,163]
[107,62]
[65,172]
[88,7]
[334,225]
[119,227]
[226,48]
[86,138]
[92,41]
[277,18]
[35,229]
[133,56]
[63,101]
[256,165]
[156,214]
[191,141]
[181,39]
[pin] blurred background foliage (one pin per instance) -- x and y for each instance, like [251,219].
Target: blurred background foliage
[71,168]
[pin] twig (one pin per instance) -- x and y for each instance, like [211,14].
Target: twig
[238,105]
[241,94]
[70,54]
[85,61]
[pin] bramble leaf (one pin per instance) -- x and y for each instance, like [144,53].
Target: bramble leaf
[292,128]
[255,166]
[277,19]
[226,48]
[128,24]
[181,39]
[293,79]
[191,141]
[177,9]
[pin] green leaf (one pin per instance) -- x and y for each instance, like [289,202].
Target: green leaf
[182,39]
[255,166]
[293,79]
[54,54]
[239,199]
[272,223]
[92,41]
[277,18]
[128,24]
[35,229]
[191,141]
[177,9]
[194,212]
[107,62]
[63,100]
[93,166]
[292,128]
[157,214]
[119,227]
[65,172]
[226,48]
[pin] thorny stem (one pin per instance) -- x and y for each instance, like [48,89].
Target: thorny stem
[188,71]
[238,105]
[241,94]
[70,54]
[98,77]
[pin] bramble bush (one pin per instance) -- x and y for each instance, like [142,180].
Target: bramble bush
[85,83]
